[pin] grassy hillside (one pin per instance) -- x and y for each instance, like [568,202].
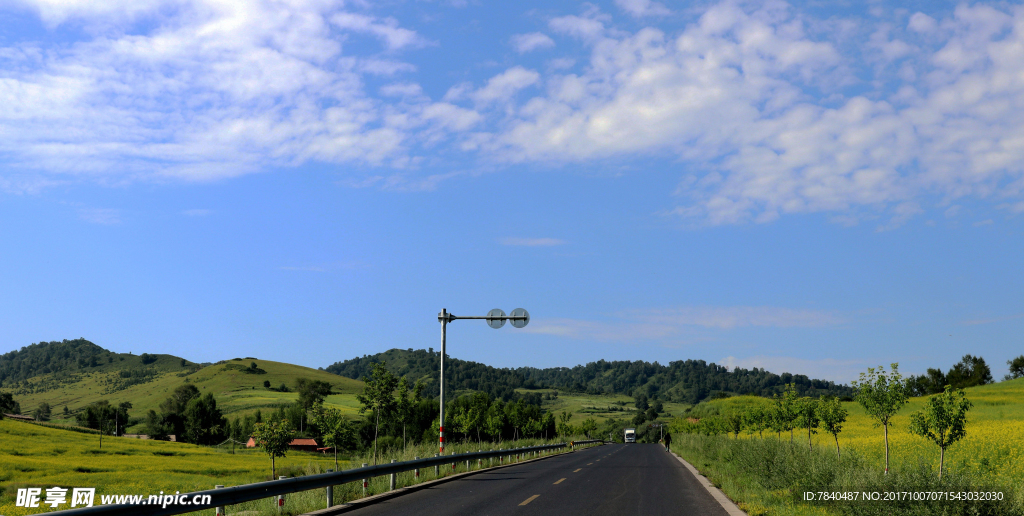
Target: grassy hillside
[598,406]
[237,392]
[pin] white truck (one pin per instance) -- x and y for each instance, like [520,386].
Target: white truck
[630,435]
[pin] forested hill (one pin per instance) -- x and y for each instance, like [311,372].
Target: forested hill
[423,365]
[684,380]
[77,356]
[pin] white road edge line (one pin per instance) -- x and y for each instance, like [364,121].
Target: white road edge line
[730,508]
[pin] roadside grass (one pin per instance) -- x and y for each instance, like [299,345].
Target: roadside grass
[38,456]
[990,455]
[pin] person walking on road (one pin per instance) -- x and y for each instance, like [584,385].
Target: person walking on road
[668,441]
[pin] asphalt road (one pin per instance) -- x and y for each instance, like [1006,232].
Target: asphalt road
[617,479]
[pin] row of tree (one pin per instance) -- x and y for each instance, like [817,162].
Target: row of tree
[883,394]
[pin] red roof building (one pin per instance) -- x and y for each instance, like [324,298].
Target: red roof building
[304,444]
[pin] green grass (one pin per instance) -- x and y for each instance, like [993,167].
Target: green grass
[237,393]
[37,456]
[990,454]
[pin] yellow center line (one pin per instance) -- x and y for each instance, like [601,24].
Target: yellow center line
[559,481]
[530,499]
[577,471]
[590,464]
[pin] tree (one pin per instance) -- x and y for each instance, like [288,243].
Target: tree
[808,417]
[273,438]
[173,408]
[311,392]
[970,372]
[588,426]
[641,401]
[832,415]
[1016,368]
[882,395]
[378,396]
[155,426]
[564,428]
[784,412]
[756,420]
[495,421]
[43,412]
[943,420]
[734,424]
[8,405]
[266,384]
[203,422]
[335,430]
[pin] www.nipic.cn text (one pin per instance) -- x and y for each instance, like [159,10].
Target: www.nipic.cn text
[85,497]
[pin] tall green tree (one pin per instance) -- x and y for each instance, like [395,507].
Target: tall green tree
[756,420]
[808,417]
[943,420]
[785,413]
[882,395]
[588,426]
[969,372]
[1016,368]
[203,422]
[311,392]
[43,412]
[335,430]
[378,397]
[8,405]
[273,439]
[832,415]
[564,428]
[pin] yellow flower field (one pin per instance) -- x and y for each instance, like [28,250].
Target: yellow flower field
[35,456]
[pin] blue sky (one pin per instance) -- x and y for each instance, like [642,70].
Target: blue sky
[791,186]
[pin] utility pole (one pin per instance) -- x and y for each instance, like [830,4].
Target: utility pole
[495,319]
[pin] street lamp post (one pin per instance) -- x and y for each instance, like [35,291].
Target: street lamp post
[495,319]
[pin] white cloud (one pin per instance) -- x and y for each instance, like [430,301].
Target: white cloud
[531,242]
[524,43]
[503,86]
[206,90]
[386,29]
[734,96]
[641,8]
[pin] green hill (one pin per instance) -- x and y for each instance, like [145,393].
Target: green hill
[683,381]
[146,381]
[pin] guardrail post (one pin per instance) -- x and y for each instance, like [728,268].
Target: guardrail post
[280,498]
[330,493]
[417,469]
[220,510]
[393,477]
[437,468]
[365,483]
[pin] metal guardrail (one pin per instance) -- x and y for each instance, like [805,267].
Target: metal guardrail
[249,492]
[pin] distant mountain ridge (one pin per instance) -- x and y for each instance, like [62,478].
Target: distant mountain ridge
[683,381]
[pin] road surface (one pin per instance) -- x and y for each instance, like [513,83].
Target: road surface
[613,480]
